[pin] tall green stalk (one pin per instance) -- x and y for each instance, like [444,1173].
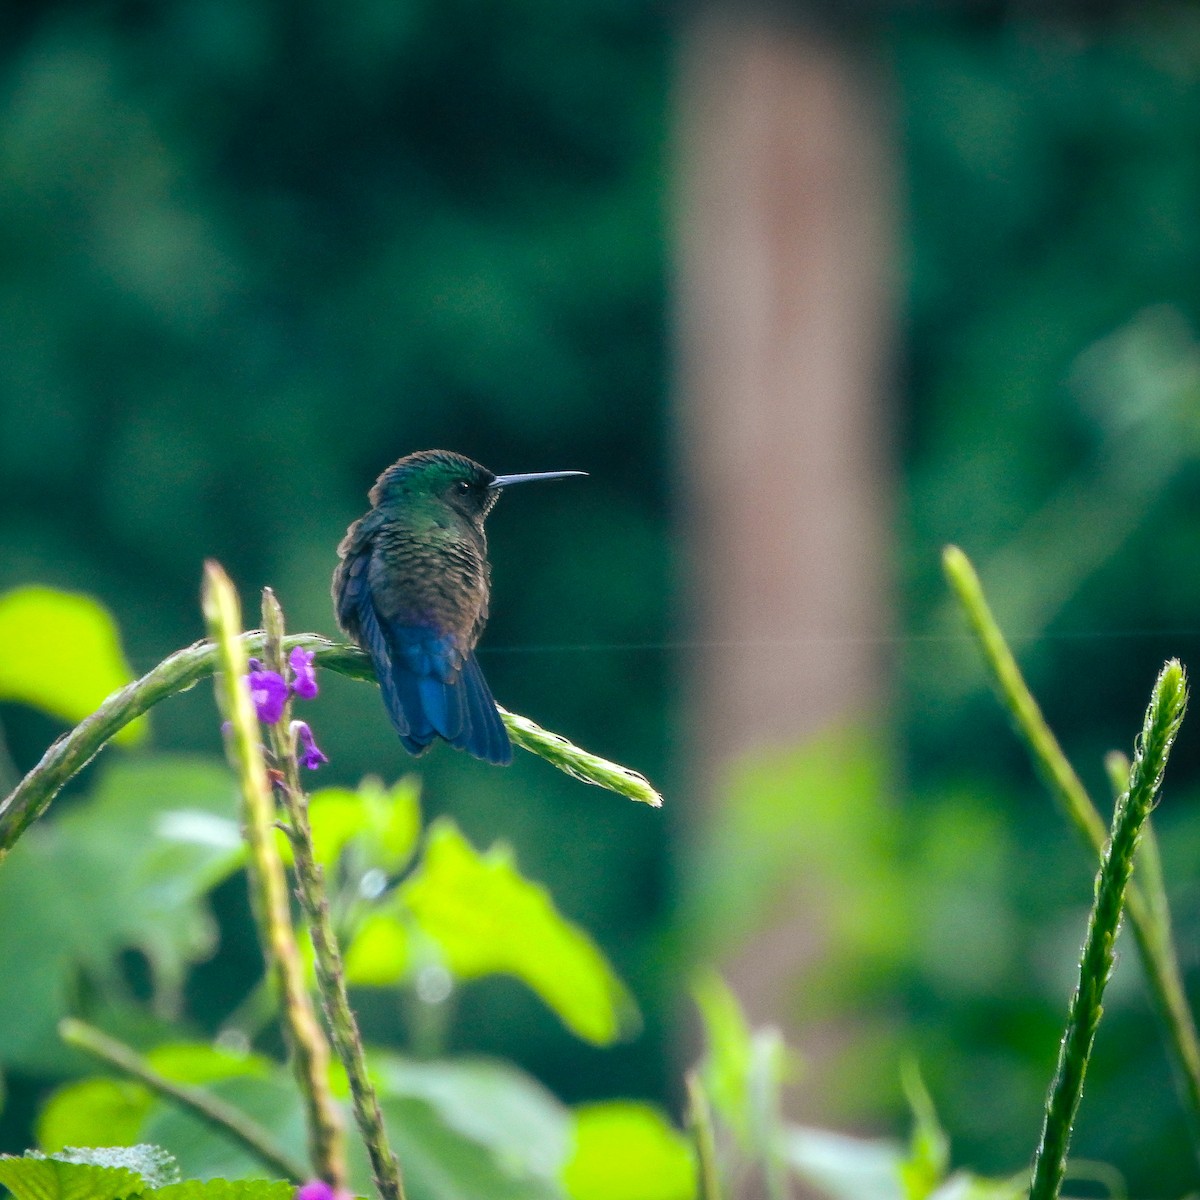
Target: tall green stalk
[1149,911]
[310,888]
[1163,717]
[268,882]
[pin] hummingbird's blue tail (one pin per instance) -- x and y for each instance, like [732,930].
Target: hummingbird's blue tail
[431,690]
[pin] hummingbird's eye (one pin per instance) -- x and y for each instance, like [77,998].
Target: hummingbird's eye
[462,487]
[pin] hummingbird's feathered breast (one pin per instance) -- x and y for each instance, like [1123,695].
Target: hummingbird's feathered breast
[435,577]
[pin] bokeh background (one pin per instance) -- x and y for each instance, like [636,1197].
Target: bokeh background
[808,291]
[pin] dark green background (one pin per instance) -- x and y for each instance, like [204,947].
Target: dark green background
[252,252]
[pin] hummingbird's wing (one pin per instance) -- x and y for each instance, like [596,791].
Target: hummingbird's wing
[357,615]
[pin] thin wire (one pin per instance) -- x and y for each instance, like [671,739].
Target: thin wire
[923,639]
[830,639]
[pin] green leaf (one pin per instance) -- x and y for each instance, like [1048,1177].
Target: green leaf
[844,1168]
[380,953]
[205,1153]
[154,1164]
[491,1103]
[127,867]
[104,1173]
[62,654]
[200,1064]
[488,919]
[90,1111]
[449,1152]
[627,1151]
[50,1179]
[442,1164]
[383,823]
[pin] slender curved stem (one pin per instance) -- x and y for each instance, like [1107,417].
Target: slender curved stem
[212,1110]
[188,667]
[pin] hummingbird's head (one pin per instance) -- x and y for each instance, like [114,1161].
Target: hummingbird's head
[441,476]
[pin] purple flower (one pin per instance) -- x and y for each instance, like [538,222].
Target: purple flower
[311,755]
[318,1189]
[305,682]
[269,693]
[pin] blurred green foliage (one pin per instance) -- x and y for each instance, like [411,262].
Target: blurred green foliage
[252,252]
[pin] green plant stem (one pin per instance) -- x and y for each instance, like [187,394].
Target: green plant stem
[310,888]
[704,1143]
[1163,716]
[185,668]
[1149,911]
[213,1111]
[1047,754]
[268,882]
[578,763]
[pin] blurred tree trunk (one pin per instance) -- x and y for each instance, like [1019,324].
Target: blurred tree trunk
[785,325]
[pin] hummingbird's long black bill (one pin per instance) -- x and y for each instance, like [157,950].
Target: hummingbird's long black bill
[503,481]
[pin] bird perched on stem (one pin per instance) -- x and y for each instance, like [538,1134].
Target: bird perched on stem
[412,590]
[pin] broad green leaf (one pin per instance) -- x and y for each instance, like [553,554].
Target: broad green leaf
[488,919]
[844,1168]
[36,1178]
[199,1064]
[62,654]
[441,1164]
[384,823]
[627,1151]
[492,1103]
[126,867]
[380,954]
[156,1166]
[336,816]
[204,1153]
[90,1111]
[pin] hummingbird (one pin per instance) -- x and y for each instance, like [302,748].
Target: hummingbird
[412,587]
